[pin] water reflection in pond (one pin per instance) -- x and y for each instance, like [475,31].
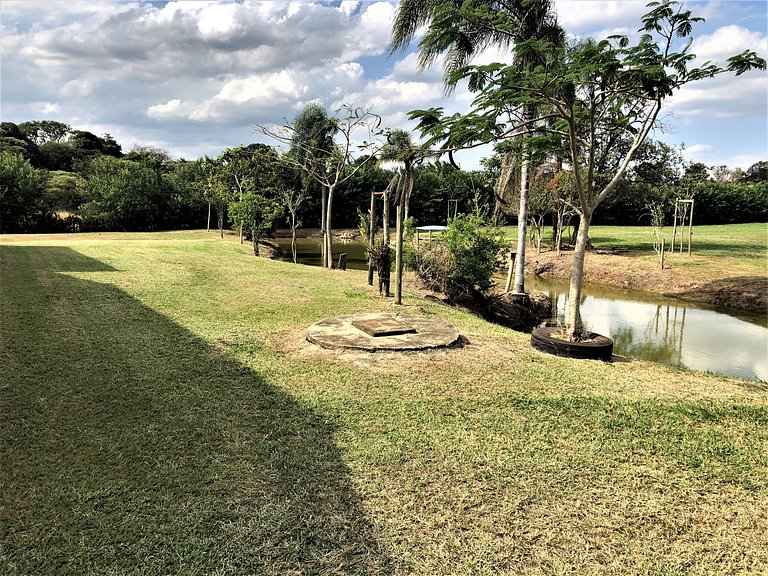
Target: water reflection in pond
[642,325]
[670,331]
[308,251]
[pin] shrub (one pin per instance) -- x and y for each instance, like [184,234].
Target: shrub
[462,261]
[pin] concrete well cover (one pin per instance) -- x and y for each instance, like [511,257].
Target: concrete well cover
[382,331]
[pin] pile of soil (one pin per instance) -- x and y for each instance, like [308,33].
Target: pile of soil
[748,293]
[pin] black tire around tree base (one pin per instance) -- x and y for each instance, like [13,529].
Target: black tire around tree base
[598,347]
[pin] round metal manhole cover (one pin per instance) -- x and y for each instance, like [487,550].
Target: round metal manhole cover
[383,331]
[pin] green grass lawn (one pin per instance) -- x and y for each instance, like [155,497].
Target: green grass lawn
[161,414]
[716,250]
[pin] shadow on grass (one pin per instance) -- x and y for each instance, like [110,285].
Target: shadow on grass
[130,446]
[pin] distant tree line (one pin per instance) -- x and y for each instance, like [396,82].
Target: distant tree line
[55,178]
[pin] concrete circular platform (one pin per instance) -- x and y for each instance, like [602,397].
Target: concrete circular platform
[389,331]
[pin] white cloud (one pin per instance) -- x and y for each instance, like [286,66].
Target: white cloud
[197,75]
[590,16]
[50,108]
[169,109]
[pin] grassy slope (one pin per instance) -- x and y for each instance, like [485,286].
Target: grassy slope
[160,416]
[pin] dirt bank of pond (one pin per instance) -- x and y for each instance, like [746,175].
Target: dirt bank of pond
[748,293]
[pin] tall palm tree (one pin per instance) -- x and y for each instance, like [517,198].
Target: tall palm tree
[460,31]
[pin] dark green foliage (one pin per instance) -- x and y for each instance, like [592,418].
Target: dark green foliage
[354,195]
[58,156]
[474,251]
[437,183]
[62,191]
[14,141]
[21,195]
[758,172]
[728,203]
[256,214]
[122,195]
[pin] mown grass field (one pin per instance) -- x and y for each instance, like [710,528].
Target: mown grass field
[716,251]
[160,414]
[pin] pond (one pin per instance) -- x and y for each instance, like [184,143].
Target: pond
[642,325]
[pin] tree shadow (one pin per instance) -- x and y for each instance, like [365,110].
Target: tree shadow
[129,445]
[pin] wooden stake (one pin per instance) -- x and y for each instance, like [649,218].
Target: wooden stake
[511,270]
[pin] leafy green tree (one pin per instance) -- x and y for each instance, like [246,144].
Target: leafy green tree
[122,195]
[22,187]
[42,131]
[57,156]
[311,145]
[152,156]
[110,147]
[62,191]
[462,261]
[248,168]
[14,141]
[758,172]
[186,206]
[331,170]
[255,213]
[587,93]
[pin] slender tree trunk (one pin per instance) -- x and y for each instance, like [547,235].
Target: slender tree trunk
[323,203]
[573,326]
[407,201]
[385,218]
[208,228]
[255,244]
[241,226]
[221,221]
[522,225]
[371,237]
[399,254]
[328,230]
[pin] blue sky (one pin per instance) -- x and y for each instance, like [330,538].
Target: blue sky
[195,77]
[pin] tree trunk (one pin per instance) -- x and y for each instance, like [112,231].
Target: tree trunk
[323,203]
[399,254]
[385,218]
[208,228]
[328,231]
[573,326]
[501,187]
[371,237]
[293,242]
[407,202]
[255,244]
[522,225]
[221,221]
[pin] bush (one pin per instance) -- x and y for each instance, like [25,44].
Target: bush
[462,261]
